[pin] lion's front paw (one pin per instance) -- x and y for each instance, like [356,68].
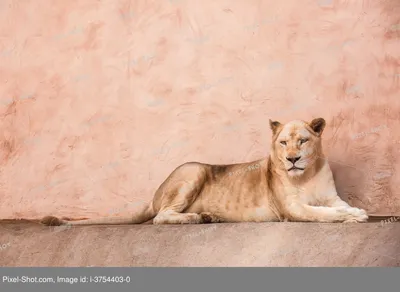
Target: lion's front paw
[353,215]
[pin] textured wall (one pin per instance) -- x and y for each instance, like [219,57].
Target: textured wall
[101,100]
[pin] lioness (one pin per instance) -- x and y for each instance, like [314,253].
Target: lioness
[294,183]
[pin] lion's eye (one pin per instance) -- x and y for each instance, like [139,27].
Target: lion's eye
[283,142]
[302,141]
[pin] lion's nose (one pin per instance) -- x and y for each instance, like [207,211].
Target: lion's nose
[293,159]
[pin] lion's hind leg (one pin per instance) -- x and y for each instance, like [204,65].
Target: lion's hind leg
[173,217]
[179,193]
[207,217]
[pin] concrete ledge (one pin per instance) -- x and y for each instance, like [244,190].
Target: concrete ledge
[216,245]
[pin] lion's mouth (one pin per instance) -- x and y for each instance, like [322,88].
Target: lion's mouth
[295,168]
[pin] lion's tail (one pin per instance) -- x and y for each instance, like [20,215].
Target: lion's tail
[144,214]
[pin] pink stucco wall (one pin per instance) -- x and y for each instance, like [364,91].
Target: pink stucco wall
[101,100]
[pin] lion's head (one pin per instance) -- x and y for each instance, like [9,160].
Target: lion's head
[296,146]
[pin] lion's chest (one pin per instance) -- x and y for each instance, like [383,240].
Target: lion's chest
[306,194]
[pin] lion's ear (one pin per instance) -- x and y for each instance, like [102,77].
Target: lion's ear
[274,126]
[317,125]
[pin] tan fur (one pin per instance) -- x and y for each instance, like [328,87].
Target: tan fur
[259,191]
